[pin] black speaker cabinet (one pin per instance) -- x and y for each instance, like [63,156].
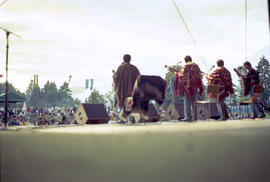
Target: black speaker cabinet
[207,110]
[91,114]
[152,114]
[175,111]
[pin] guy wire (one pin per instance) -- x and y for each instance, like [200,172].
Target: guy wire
[193,40]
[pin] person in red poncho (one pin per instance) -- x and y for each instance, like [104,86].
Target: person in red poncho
[221,77]
[188,80]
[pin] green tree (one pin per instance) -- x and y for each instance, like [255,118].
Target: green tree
[96,98]
[109,99]
[50,95]
[240,88]
[65,98]
[34,99]
[65,89]
[264,71]
[29,90]
[11,88]
[169,97]
[234,99]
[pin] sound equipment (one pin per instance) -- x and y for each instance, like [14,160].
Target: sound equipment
[175,111]
[202,112]
[91,114]
[152,114]
[207,110]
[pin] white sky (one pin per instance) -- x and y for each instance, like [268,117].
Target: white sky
[87,38]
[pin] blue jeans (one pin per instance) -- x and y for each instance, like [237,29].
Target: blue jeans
[256,108]
[190,105]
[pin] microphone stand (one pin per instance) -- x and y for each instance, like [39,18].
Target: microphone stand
[6,92]
[212,67]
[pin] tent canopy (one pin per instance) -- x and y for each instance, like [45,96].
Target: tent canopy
[12,98]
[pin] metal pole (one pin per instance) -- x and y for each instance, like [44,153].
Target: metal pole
[6,96]
[6,92]
[269,14]
[246,30]
[269,17]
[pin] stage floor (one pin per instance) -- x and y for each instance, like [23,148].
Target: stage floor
[236,150]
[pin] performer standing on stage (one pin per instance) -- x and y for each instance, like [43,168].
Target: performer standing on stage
[124,79]
[251,79]
[187,82]
[221,77]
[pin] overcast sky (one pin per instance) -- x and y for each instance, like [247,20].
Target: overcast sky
[88,38]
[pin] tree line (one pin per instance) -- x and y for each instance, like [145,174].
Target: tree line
[51,96]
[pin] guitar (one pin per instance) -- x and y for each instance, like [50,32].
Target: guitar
[175,70]
[238,73]
[245,82]
[171,68]
[179,81]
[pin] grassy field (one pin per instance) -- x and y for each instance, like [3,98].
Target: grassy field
[171,151]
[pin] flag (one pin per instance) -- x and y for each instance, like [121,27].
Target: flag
[92,82]
[86,84]
[69,78]
[35,80]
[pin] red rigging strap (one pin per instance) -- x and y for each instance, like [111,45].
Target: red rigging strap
[193,40]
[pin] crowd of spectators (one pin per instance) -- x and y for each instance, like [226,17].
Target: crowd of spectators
[39,116]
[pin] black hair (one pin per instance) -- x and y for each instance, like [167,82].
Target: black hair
[127,58]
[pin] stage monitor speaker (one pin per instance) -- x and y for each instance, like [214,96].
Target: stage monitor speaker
[152,114]
[175,111]
[203,108]
[91,114]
